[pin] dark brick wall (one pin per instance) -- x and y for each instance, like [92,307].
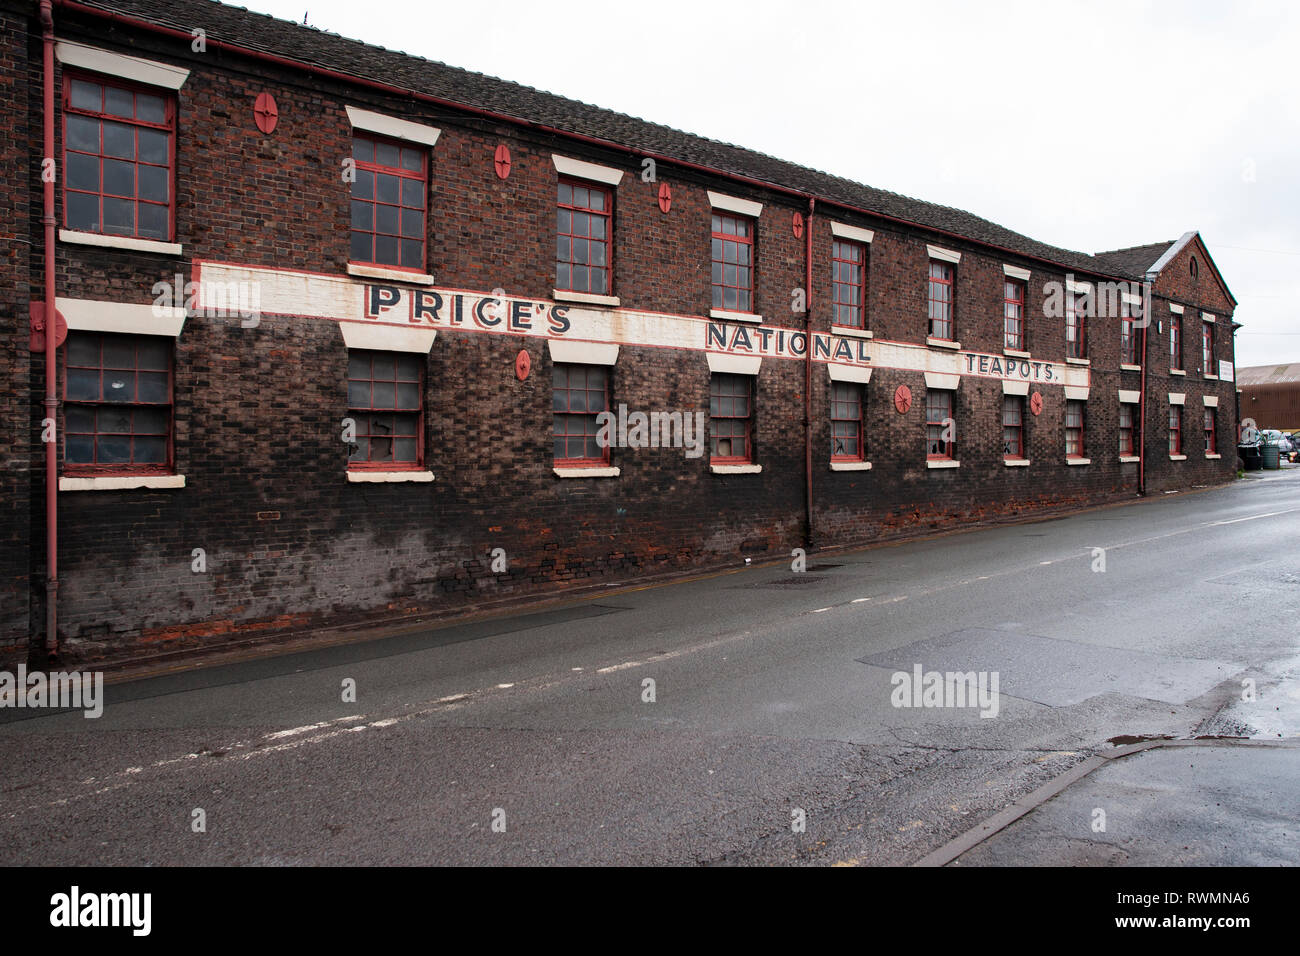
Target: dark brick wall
[20,182]
[289,542]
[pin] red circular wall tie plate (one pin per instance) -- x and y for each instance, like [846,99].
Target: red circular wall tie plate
[665,198]
[37,342]
[796,225]
[265,112]
[502,161]
[522,364]
[902,399]
[1036,402]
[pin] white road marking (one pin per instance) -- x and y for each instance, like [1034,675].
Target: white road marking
[304,735]
[1270,514]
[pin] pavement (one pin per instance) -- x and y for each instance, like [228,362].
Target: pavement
[744,718]
[1228,796]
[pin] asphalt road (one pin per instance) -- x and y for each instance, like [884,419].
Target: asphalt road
[533,739]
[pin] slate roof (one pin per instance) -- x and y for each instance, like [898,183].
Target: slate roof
[1135,260]
[263,33]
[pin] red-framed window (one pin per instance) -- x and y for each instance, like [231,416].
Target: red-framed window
[941,286]
[1075,328]
[119,148]
[731,418]
[389,202]
[1176,342]
[386,401]
[849,283]
[117,414]
[579,393]
[1175,429]
[1074,421]
[1130,336]
[733,262]
[847,442]
[1013,315]
[583,238]
[939,424]
[1013,426]
[1207,349]
[1211,436]
[1128,433]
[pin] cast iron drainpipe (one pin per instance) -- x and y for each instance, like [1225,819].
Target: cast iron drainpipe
[807,375]
[51,337]
[1148,281]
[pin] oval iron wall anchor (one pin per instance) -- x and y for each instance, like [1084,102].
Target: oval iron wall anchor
[902,399]
[796,225]
[1036,402]
[665,198]
[502,161]
[265,112]
[523,364]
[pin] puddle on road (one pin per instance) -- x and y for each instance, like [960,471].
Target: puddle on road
[1274,713]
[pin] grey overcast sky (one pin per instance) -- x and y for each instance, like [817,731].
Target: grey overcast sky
[1087,125]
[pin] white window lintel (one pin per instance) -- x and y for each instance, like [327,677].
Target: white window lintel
[581,169]
[391,126]
[746,207]
[149,72]
[842,230]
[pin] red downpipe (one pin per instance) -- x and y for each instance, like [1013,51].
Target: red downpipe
[51,337]
[1148,279]
[807,373]
[387,88]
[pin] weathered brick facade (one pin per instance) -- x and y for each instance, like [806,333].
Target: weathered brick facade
[289,542]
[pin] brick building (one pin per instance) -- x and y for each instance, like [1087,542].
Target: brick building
[1270,395]
[341,322]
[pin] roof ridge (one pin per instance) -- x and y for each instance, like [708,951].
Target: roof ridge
[516,101]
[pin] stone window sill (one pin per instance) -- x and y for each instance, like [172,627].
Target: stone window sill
[119,242]
[934,343]
[846,330]
[586,298]
[1078,461]
[389,476]
[850,466]
[729,316]
[580,472]
[735,469]
[1016,462]
[120,482]
[392,275]
[942,463]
